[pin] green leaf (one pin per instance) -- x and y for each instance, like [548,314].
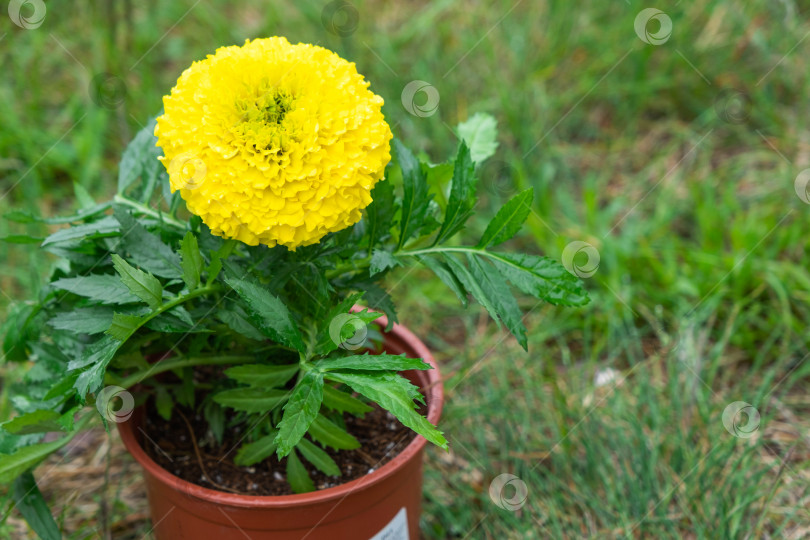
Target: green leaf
[373,362]
[270,313]
[139,156]
[214,415]
[256,451]
[123,326]
[252,400]
[31,504]
[325,344]
[106,226]
[263,375]
[378,299]
[83,196]
[380,213]
[299,412]
[164,403]
[27,457]
[318,457]
[541,277]
[392,396]
[102,288]
[382,260]
[480,132]
[192,261]
[239,324]
[446,275]
[147,248]
[98,355]
[509,219]
[330,434]
[343,402]
[21,239]
[501,297]
[416,199]
[41,421]
[472,285]
[297,475]
[144,286]
[92,320]
[462,195]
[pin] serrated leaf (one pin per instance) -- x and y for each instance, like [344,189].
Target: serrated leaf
[462,195]
[380,213]
[299,412]
[191,260]
[97,356]
[446,275]
[382,260]
[256,451]
[92,320]
[378,299]
[415,199]
[541,277]
[31,504]
[252,400]
[239,324]
[123,326]
[373,362]
[501,297]
[263,375]
[103,288]
[509,219]
[147,248]
[270,313]
[318,457]
[480,132]
[330,434]
[297,475]
[106,226]
[343,402]
[472,285]
[144,286]
[382,389]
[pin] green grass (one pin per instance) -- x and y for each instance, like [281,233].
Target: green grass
[701,295]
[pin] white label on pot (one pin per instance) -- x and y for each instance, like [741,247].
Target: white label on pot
[397,528]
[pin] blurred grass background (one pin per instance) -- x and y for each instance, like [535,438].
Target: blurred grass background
[676,162]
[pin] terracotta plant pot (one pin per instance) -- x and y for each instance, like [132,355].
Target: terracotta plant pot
[383,504]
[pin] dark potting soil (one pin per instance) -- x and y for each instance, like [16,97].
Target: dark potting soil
[170,445]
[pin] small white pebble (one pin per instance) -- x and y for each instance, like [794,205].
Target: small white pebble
[371,470]
[278,476]
[251,470]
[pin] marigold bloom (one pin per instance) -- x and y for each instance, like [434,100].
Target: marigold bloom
[274,143]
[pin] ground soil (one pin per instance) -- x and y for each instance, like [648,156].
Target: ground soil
[170,445]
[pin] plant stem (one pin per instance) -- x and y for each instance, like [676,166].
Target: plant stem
[143,209]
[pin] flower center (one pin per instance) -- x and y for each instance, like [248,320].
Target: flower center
[261,128]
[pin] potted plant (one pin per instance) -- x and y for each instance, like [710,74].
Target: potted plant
[247,351]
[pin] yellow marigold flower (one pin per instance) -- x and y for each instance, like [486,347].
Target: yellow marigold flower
[274,143]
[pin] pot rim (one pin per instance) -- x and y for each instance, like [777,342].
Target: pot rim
[434,399]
